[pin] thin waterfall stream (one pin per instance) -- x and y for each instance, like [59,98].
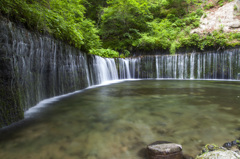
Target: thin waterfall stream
[210,65]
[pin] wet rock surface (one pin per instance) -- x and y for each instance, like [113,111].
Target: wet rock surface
[164,150]
[227,151]
[219,154]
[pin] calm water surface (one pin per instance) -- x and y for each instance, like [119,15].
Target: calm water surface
[119,120]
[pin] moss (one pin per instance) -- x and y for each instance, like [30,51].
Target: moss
[10,96]
[10,107]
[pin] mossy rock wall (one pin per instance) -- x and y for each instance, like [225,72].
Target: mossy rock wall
[10,101]
[34,67]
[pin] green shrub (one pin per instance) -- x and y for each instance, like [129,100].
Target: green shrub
[235,7]
[61,18]
[122,25]
[209,6]
[104,53]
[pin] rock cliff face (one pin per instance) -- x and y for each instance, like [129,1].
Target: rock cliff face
[225,18]
[10,106]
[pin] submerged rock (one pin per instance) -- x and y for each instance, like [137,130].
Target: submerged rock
[164,150]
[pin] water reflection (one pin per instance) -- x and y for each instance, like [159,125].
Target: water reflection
[118,121]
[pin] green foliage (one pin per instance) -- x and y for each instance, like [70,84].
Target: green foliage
[104,52]
[235,7]
[209,6]
[94,9]
[238,143]
[67,22]
[221,2]
[126,53]
[120,25]
[214,40]
[148,25]
[173,48]
[64,19]
[166,33]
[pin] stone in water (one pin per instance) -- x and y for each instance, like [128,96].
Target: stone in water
[164,150]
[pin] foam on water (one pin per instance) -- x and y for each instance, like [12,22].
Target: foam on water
[37,108]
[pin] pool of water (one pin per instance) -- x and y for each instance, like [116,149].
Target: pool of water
[118,121]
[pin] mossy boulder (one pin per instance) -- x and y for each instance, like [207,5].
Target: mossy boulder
[219,154]
[211,151]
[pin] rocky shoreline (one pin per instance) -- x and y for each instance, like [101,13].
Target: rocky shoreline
[168,150]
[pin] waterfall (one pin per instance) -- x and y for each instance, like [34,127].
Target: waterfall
[46,68]
[35,67]
[192,57]
[124,69]
[180,67]
[102,70]
[221,65]
[157,68]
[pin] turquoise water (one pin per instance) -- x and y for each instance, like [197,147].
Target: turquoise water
[117,121]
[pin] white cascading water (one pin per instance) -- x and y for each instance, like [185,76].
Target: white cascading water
[186,60]
[203,66]
[224,65]
[124,69]
[64,72]
[214,68]
[230,66]
[102,70]
[180,66]
[133,68]
[192,64]
[43,68]
[199,66]
[157,68]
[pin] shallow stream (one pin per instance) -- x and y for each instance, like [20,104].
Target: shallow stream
[118,121]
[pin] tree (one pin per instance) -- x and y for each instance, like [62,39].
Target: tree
[94,9]
[122,22]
